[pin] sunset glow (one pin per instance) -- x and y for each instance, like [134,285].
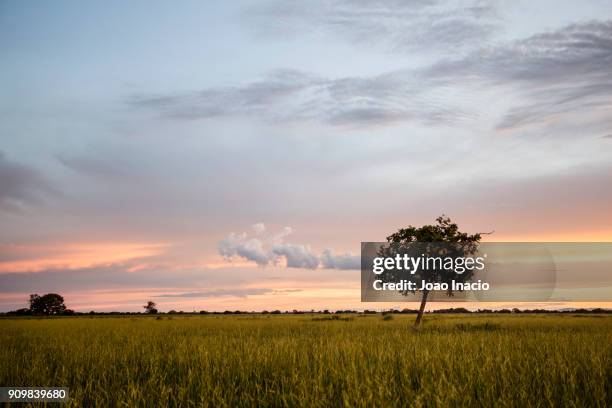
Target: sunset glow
[237,159]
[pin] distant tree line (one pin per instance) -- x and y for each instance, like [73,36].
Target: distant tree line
[52,304]
[458,310]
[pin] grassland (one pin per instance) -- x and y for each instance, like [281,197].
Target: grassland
[455,360]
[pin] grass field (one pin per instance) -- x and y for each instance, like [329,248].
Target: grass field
[303,360]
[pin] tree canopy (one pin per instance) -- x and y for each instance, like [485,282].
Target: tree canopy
[49,304]
[442,239]
[150,307]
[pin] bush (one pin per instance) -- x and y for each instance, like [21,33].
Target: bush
[20,312]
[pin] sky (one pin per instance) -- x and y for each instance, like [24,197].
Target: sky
[234,155]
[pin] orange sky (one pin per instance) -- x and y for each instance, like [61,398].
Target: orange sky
[257,287]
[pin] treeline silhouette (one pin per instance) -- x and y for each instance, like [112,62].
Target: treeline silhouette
[52,304]
[456,310]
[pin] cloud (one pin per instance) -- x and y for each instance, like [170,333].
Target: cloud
[278,238]
[254,98]
[295,255]
[242,293]
[344,261]
[250,249]
[259,228]
[562,72]
[134,275]
[289,96]
[396,25]
[110,282]
[105,276]
[21,185]
[576,49]
[98,166]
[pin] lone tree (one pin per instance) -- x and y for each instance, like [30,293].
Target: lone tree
[150,307]
[442,239]
[49,304]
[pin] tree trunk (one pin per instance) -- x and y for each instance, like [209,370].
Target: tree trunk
[419,318]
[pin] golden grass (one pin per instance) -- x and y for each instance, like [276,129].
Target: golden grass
[295,360]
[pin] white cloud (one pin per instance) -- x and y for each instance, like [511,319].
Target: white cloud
[259,228]
[241,246]
[295,255]
[342,261]
[278,238]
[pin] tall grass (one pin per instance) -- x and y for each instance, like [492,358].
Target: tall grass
[222,361]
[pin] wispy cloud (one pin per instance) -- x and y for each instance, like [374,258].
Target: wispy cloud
[241,293]
[556,74]
[397,25]
[288,96]
[21,185]
[559,72]
[132,275]
[251,99]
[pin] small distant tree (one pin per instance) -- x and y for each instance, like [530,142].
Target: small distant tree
[150,307]
[444,230]
[49,304]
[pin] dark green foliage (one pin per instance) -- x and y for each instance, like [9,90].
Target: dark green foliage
[49,304]
[150,307]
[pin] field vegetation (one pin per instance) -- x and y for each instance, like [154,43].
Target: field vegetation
[306,360]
